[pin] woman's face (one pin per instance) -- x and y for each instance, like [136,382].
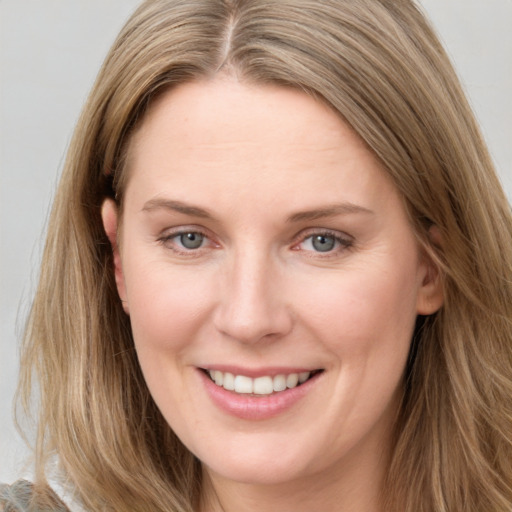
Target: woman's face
[261,245]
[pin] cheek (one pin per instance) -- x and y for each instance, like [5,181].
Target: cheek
[360,312]
[167,311]
[166,306]
[365,321]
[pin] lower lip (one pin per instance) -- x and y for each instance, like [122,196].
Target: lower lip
[250,407]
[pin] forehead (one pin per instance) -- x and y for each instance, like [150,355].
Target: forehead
[222,110]
[225,137]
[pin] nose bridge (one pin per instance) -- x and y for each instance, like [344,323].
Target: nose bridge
[253,304]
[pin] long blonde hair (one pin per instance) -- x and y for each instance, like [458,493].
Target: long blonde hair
[380,66]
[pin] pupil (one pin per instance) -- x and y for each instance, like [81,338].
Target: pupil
[323,243]
[191,240]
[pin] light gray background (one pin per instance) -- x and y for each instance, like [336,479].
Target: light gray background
[50,51]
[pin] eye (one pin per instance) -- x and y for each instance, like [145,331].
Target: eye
[191,240]
[185,241]
[325,242]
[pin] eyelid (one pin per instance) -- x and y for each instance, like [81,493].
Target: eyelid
[345,240]
[167,235]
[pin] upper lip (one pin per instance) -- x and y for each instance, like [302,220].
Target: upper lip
[271,371]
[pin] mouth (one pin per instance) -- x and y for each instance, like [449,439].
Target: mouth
[262,386]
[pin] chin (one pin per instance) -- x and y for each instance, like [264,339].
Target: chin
[256,474]
[261,466]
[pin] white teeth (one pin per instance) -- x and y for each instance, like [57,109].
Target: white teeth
[304,376]
[243,384]
[292,380]
[264,385]
[229,382]
[279,383]
[218,378]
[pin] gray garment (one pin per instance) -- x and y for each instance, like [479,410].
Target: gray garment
[16,498]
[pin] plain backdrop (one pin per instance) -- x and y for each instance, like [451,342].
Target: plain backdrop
[50,51]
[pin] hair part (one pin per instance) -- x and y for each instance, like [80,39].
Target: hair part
[380,66]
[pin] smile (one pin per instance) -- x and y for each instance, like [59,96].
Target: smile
[262,386]
[261,395]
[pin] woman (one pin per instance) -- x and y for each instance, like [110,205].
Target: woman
[277,273]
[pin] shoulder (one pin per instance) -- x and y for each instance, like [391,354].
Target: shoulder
[18,496]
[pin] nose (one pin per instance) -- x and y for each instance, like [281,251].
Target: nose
[253,304]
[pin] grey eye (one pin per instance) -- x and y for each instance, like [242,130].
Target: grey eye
[192,240]
[323,243]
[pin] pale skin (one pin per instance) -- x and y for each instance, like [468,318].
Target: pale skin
[299,254]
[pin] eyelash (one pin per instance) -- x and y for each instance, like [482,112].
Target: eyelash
[342,243]
[167,241]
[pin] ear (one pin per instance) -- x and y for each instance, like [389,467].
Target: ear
[431,294]
[109,215]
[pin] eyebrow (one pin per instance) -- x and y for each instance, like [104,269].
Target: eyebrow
[176,206]
[307,215]
[328,211]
